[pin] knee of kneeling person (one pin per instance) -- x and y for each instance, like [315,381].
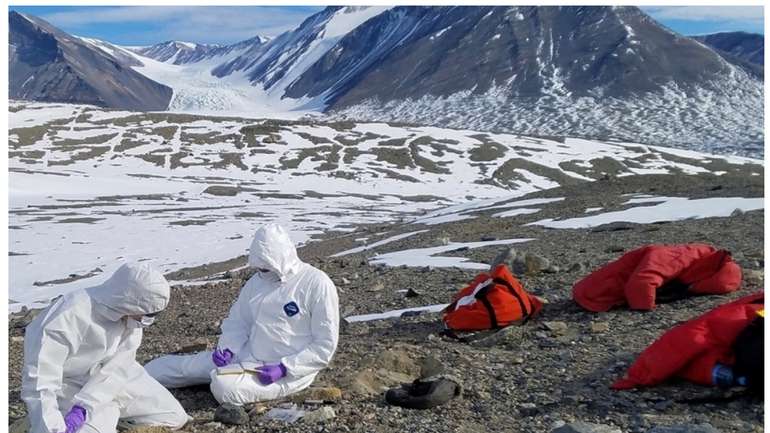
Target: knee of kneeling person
[225,391]
[178,419]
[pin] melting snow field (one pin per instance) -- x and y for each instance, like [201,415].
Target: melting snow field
[664,209]
[395,313]
[90,188]
[418,257]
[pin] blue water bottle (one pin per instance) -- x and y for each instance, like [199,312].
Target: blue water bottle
[722,376]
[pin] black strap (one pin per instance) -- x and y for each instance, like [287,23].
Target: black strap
[526,312]
[481,295]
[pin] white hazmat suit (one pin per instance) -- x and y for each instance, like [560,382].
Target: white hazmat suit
[81,351]
[288,315]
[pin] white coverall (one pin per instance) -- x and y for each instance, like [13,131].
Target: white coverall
[289,315]
[81,350]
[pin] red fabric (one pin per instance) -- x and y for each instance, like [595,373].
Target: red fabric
[634,278]
[690,350]
[475,316]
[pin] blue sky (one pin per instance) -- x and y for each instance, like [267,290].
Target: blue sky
[144,25]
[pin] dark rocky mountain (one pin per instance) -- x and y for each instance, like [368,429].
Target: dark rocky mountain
[438,51]
[46,64]
[180,53]
[746,46]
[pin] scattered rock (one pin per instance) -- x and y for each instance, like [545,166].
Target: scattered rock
[586,427]
[521,263]
[231,414]
[430,366]
[488,238]
[506,336]
[325,394]
[23,318]
[17,339]
[528,409]
[577,267]
[614,249]
[376,287]
[599,327]
[685,428]
[381,372]
[754,277]
[535,263]
[198,345]
[19,426]
[411,293]
[557,328]
[323,414]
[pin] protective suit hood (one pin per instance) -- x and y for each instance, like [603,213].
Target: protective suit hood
[134,289]
[273,249]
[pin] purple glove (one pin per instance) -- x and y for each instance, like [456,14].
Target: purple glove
[222,357]
[268,374]
[75,419]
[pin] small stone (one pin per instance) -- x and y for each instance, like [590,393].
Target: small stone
[753,277]
[528,409]
[614,249]
[599,327]
[585,427]
[577,267]
[685,428]
[411,293]
[231,414]
[17,339]
[557,328]
[345,281]
[488,238]
[553,269]
[737,212]
[535,263]
[319,415]
[258,410]
[198,345]
[376,287]
[430,366]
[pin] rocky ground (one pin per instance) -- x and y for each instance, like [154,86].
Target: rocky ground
[552,374]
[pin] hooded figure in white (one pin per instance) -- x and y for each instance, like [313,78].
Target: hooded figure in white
[81,353]
[286,320]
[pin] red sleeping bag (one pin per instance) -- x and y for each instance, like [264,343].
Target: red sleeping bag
[690,350]
[635,278]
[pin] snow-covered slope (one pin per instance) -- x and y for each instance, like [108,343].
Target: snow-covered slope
[90,187]
[598,72]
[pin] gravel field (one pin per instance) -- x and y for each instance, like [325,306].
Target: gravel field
[549,374]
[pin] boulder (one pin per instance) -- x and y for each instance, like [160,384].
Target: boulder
[322,414]
[586,427]
[231,414]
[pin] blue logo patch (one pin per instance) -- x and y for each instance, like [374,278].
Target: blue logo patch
[291,309]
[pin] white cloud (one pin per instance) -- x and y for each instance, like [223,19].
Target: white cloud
[754,14]
[193,23]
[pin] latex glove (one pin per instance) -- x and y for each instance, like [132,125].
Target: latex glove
[222,357]
[268,374]
[75,419]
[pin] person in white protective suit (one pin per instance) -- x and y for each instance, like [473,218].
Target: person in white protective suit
[80,371]
[283,329]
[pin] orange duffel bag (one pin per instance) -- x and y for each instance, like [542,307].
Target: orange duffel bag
[491,301]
